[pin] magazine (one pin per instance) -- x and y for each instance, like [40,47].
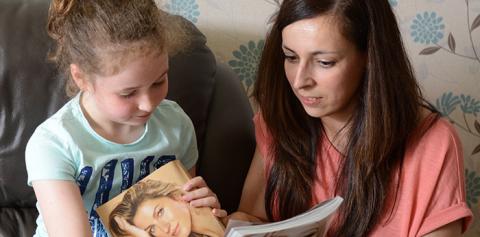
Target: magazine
[313,222]
[153,207]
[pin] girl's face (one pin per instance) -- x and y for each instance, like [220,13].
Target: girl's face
[130,96]
[323,68]
[164,216]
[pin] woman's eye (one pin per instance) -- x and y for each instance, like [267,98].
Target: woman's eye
[290,58]
[160,212]
[326,64]
[152,232]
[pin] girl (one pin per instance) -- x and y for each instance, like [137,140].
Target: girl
[117,127]
[345,116]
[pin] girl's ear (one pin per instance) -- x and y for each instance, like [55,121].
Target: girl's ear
[79,77]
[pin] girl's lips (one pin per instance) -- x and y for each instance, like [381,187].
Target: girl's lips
[144,116]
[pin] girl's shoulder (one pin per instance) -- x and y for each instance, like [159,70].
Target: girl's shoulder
[169,113]
[61,123]
[170,108]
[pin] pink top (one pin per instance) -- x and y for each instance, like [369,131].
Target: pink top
[432,188]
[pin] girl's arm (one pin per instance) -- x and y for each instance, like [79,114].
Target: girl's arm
[62,208]
[450,230]
[252,203]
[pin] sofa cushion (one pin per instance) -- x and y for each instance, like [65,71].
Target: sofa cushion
[191,80]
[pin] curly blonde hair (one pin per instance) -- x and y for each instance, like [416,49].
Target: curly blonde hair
[100,36]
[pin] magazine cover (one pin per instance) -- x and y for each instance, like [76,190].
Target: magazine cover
[153,207]
[312,223]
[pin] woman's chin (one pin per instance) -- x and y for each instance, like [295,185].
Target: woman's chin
[183,232]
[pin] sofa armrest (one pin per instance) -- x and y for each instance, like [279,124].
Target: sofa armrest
[18,221]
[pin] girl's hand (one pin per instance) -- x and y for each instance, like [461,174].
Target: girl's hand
[198,194]
[129,228]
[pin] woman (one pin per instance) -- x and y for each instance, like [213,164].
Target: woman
[155,208]
[345,116]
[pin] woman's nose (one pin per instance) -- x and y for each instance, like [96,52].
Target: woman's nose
[303,76]
[163,227]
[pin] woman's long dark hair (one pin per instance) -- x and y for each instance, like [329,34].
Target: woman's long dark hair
[387,112]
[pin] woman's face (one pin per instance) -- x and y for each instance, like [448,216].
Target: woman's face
[323,68]
[164,216]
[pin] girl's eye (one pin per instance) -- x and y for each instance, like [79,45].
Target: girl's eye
[128,95]
[159,83]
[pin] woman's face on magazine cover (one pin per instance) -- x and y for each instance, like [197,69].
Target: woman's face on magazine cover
[164,216]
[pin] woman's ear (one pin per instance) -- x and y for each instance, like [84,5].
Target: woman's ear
[79,77]
[177,196]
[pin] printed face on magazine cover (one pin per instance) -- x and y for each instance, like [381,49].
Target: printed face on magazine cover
[323,68]
[164,216]
[130,96]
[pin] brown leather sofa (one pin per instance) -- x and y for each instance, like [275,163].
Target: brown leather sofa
[31,90]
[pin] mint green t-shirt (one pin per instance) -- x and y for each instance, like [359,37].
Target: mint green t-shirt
[65,147]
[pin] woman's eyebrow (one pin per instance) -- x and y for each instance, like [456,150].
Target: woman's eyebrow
[287,48]
[314,53]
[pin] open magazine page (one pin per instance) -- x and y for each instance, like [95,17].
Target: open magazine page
[153,207]
[311,223]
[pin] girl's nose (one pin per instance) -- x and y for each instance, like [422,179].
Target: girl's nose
[146,103]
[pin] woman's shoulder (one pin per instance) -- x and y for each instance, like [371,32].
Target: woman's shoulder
[435,140]
[434,128]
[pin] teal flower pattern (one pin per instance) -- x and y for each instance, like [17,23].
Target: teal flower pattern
[393,3]
[447,103]
[427,28]
[473,187]
[469,105]
[186,8]
[246,61]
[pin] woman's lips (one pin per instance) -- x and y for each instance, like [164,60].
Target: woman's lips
[176,229]
[310,100]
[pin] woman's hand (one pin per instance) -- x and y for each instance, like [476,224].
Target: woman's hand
[129,228]
[198,194]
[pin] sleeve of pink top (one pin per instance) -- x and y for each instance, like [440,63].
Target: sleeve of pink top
[447,201]
[260,134]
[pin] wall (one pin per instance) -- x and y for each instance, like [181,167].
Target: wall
[441,36]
